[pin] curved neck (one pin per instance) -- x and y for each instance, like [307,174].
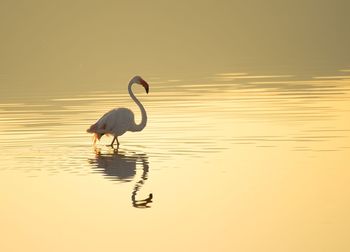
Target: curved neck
[142,124]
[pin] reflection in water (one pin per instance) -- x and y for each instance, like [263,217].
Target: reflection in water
[144,202]
[120,166]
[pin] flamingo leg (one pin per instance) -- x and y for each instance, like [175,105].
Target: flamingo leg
[113,141]
[115,138]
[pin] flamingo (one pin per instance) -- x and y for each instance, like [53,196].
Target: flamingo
[120,120]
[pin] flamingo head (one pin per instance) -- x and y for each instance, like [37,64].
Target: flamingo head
[142,82]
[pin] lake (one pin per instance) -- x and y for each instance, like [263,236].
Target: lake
[233,161]
[247,143]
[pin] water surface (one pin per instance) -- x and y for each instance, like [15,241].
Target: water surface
[227,162]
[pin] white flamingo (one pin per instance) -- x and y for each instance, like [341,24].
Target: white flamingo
[120,120]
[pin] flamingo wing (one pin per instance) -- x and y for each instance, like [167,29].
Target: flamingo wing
[115,122]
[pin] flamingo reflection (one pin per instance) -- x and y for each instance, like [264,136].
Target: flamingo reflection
[121,166]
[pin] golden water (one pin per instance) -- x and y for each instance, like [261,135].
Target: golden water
[234,161]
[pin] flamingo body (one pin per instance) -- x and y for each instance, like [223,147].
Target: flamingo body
[120,120]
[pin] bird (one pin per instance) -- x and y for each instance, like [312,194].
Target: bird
[120,120]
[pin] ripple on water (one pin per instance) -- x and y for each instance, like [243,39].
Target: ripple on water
[190,120]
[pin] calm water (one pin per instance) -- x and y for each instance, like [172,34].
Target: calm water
[227,162]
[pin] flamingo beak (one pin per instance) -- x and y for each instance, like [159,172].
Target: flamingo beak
[145,85]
